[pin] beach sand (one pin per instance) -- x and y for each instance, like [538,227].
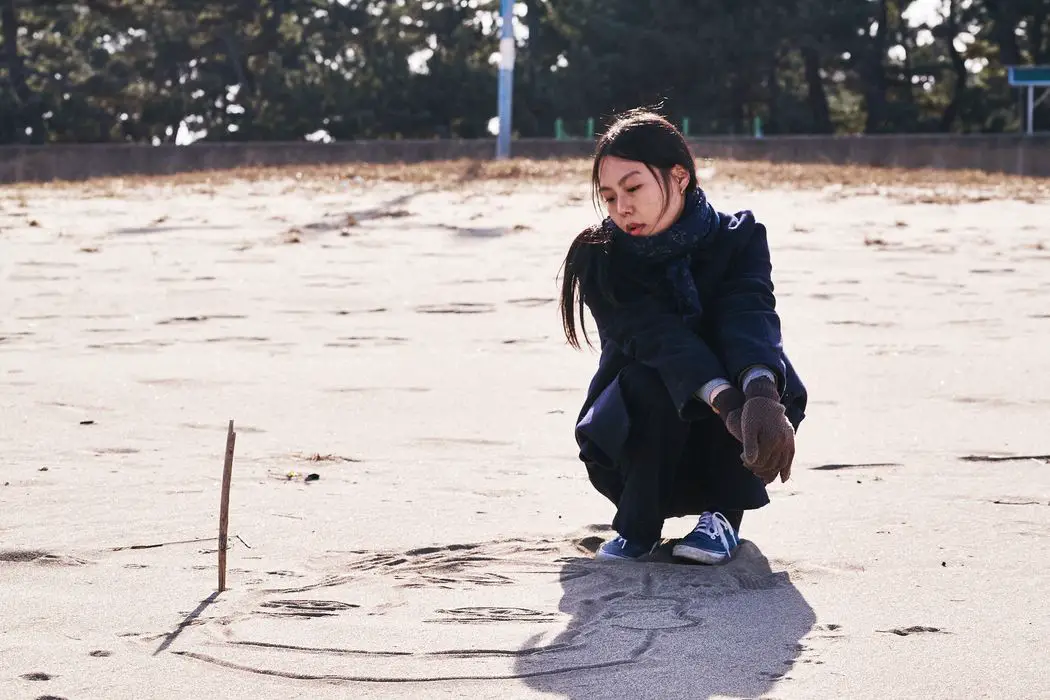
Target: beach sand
[398,336]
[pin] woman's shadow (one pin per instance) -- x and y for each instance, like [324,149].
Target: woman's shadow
[662,629]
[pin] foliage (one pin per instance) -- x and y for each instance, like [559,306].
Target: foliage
[144,70]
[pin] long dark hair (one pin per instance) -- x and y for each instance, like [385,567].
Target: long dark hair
[640,135]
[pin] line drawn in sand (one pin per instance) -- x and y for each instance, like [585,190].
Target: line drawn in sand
[540,610]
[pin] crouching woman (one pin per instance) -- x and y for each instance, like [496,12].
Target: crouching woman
[694,405]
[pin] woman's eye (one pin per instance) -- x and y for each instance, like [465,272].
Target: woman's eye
[609,201]
[634,189]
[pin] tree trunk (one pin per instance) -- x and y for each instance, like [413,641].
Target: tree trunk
[1036,36]
[28,107]
[875,85]
[737,110]
[818,97]
[951,112]
[904,76]
[773,126]
[528,113]
[238,64]
[1004,22]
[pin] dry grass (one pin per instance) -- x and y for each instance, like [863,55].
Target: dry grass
[448,172]
[927,185]
[320,457]
[913,186]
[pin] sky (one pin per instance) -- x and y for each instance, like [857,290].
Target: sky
[924,11]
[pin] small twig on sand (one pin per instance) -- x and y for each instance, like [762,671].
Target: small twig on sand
[167,544]
[1003,458]
[224,505]
[159,544]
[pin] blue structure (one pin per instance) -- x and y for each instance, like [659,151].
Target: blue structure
[506,78]
[1031,77]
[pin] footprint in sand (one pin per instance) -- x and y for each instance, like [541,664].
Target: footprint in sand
[346,312]
[454,441]
[116,451]
[531,302]
[357,341]
[915,629]
[462,307]
[199,319]
[864,324]
[524,341]
[37,557]
[130,345]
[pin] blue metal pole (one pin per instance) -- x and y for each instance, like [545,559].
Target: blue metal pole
[1031,109]
[506,78]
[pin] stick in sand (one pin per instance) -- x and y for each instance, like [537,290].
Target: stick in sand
[224,505]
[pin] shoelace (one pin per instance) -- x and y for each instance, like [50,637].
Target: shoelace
[714,525]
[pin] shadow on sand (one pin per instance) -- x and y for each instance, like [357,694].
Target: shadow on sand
[662,629]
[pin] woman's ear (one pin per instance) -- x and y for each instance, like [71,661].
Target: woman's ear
[681,178]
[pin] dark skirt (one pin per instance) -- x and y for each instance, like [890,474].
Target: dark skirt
[663,467]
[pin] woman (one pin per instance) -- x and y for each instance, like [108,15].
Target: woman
[694,406]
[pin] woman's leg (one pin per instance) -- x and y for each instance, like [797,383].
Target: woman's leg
[651,455]
[712,476]
[712,470]
[735,517]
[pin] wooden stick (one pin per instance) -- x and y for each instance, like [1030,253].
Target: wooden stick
[224,505]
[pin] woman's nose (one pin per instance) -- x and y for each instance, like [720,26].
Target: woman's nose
[623,207]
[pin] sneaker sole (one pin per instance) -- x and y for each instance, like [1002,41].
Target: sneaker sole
[700,556]
[601,556]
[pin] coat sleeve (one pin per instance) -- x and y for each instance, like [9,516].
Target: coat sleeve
[644,330]
[745,321]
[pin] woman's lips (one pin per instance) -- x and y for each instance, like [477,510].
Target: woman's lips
[635,229]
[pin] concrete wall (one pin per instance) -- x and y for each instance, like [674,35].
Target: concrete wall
[1005,153]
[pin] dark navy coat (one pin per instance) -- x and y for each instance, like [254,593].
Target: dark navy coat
[738,328]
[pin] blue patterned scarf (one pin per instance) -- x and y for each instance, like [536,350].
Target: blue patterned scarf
[673,249]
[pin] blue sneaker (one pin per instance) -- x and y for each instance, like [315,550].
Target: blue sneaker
[712,541]
[619,549]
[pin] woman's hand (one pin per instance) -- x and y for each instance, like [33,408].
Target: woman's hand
[729,404]
[767,435]
[732,421]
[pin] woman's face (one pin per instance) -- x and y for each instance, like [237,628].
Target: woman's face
[635,198]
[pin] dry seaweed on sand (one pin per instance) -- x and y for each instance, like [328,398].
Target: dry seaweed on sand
[919,185]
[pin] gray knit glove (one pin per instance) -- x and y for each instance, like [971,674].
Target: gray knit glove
[768,437]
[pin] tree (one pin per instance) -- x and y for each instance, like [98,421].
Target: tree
[148,70]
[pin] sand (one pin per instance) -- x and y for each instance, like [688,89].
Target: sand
[399,338]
